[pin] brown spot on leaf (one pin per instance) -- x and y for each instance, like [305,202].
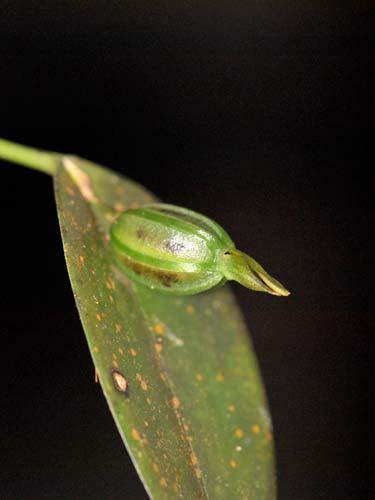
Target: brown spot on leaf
[163,482]
[110,284]
[110,217]
[198,472]
[120,207]
[176,488]
[190,309]
[141,382]
[193,458]
[175,403]
[119,381]
[232,463]
[219,377]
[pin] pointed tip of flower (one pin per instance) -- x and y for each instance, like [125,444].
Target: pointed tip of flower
[272,286]
[240,267]
[281,292]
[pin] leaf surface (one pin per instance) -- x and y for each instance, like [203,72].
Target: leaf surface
[179,373]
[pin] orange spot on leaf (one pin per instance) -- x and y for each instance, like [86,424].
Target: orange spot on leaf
[193,458]
[110,284]
[175,403]
[135,435]
[256,429]
[159,329]
[239,433]
[163,482]
[176,488]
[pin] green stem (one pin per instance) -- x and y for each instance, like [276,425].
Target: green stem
[44,161]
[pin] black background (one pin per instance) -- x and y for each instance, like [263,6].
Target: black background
[256,114]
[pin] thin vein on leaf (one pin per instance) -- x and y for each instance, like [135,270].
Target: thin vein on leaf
[176,407]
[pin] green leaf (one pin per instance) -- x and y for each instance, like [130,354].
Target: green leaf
[179,373]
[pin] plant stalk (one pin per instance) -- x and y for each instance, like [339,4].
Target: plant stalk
[43,161]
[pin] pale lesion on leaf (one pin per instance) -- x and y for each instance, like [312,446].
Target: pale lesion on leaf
[80,177]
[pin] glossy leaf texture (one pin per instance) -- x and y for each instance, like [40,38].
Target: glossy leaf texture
[179,373]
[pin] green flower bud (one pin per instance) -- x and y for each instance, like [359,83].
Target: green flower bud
[178,251]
